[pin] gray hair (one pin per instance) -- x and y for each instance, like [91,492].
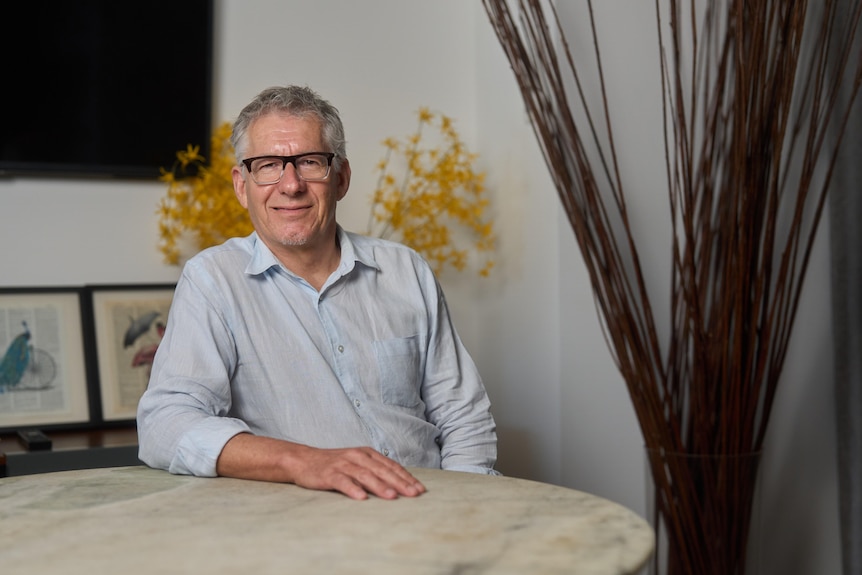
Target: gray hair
[296,101]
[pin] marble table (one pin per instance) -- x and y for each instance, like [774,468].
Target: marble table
[138,520]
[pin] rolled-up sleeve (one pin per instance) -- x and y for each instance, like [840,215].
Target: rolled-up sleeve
[456,400]
[182,423]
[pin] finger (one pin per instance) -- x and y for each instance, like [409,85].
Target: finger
[395,474]
[405,483]
[346,485]
[387,483]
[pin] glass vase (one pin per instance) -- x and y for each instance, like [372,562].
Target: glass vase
[705,510]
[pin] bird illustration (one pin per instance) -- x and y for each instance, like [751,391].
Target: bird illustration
[147,354]
[138,327]
[15,360]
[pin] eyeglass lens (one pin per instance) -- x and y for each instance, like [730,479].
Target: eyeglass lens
[270,169]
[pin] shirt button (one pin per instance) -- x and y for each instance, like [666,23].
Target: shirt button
[386,452]
[356,402]
[340,349]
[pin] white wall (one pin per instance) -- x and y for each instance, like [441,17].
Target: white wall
[562,409]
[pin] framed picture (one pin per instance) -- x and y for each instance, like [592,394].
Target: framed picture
[128,321]
[43,371]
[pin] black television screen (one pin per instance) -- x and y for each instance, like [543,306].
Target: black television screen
[104,88]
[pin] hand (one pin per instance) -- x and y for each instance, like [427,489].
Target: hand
[356,472]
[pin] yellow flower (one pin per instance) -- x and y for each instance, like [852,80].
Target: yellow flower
[199,208]
[425,115]
[190,155]
[432,198]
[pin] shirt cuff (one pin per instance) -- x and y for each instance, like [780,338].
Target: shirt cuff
[199,449]
[474,469]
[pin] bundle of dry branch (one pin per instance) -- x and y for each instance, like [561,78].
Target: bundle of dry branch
[753,121]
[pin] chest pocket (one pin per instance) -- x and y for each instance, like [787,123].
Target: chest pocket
[398,365]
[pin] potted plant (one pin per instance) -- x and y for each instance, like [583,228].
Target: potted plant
[750,94]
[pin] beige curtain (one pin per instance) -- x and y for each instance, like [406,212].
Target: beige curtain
[846,237]
[846,248]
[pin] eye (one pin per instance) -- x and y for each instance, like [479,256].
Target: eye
[267,164]
[267,167]
[312,161]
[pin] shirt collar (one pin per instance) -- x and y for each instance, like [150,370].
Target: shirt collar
[353,251]
[262,258]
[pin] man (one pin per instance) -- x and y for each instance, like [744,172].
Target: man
[304,353]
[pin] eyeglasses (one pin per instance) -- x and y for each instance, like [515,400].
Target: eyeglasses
[311,167]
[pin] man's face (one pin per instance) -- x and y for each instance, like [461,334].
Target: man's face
[292,214]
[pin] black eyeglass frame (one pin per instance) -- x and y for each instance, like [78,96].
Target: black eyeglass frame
[291,160]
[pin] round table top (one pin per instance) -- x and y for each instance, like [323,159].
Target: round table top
[140,520]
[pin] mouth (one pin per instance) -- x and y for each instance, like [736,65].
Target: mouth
[289,209]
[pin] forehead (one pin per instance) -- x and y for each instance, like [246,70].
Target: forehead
[284,134]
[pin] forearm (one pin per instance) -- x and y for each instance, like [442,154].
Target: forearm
[356,471]
[248,456]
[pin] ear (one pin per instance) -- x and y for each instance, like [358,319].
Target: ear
[239,186]
[343,179]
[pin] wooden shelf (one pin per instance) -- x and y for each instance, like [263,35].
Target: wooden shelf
[83,449]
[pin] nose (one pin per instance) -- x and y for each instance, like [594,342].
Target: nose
[290,182]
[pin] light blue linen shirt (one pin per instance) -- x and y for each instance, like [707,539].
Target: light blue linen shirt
[371,360]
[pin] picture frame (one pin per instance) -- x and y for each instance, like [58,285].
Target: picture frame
[128,321]
[43,368]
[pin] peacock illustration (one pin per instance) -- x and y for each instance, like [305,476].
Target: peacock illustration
[15,360]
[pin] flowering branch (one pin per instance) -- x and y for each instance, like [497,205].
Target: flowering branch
[200,204]
[438,199]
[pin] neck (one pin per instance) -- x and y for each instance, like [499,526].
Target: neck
[314,264]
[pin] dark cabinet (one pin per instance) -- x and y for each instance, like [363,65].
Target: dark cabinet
[83,449]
